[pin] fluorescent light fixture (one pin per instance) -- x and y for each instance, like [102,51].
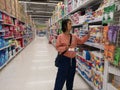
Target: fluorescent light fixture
[37,3]
[38,11]
[43,12]
[54,1]
[35,8]
[30,11]
[39,16]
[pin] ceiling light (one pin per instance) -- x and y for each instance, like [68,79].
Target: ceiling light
[40,16]
[29,11]
[43,12]
[37,3]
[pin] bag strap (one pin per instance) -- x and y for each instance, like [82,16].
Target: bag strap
[68,45]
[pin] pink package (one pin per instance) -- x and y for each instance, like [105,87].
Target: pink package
[69,7]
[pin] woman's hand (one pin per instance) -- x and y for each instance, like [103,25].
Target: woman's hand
[89,33]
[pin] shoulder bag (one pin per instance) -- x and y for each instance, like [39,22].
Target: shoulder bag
[59,56]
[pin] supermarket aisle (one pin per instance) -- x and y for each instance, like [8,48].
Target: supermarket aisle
[33,69]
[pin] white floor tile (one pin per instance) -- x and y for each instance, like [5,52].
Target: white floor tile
[33,69]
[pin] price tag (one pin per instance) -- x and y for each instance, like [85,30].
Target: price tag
[71,49]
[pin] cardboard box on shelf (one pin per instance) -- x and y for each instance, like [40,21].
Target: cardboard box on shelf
[19,16]
[23,18]
[2,4]
[22,9]
[22,12]
[8,6]
[16,8]
[28,19]
[13,7]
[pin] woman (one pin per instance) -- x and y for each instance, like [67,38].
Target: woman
[67,67]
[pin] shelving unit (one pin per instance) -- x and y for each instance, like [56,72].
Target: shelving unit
[14,26]
[96,45]
[88,82]
[83,5]
[7,24]
[10,59]
[1,20]
[5,47]
[2,30]
[8,37]
[99,20]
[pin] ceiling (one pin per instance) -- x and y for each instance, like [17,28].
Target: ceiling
[40,10]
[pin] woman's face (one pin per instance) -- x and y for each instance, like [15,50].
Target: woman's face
[69,26]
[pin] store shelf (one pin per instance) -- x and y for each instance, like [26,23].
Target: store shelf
[75,25]
[1,20]
[88,82]
[10,59]
[78,61]
[2,30]
[111,87]
[7,13]
[96,45]
[5,47]
[85,4]
[114,70]
[79,55]
[8,37]
[76,9]
[84,78]
[95,21]
[8,24]
[18,38]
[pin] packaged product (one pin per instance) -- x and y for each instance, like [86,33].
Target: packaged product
[112,33]
[117,57]
[105,35]
[108,14]
[0,16]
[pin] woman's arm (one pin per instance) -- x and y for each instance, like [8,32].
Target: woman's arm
[83,39]
[60,47]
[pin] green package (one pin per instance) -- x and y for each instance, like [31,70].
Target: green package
[117,57]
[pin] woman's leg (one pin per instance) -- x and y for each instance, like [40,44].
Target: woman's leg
[60,79]
[61,74]
[71,75]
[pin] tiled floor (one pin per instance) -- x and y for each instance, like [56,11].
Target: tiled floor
[33,69]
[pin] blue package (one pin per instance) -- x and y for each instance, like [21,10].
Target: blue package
[87,56]
[2,58]
[6,55]
[0,26]
[1,43]
[0,15]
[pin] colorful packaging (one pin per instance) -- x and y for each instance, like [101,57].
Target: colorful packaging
[105,35]
[0,26]
[108,14]
[0,16]
[117,57]
[112,33]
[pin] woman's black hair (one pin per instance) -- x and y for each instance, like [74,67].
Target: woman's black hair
[64,24]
